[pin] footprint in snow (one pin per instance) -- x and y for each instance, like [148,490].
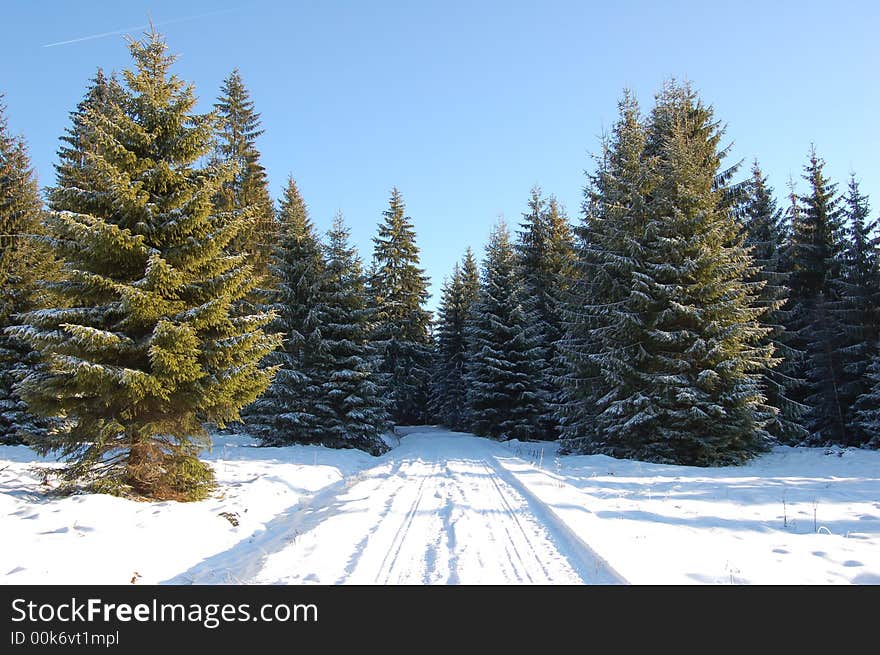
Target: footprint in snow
[58,531]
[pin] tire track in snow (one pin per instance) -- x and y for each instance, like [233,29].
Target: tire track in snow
[383,576]
[527,536]
[362,544]
[434,549]
[440,508]
[521,572]
[449,531]
[592,568]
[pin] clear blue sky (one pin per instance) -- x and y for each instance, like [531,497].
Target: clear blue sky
[465,105]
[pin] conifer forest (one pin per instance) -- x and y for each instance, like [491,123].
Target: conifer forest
[691,311]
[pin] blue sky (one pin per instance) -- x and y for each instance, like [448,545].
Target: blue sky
[465,105]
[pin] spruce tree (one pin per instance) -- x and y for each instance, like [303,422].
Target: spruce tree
[286,412]
[470,278]
[351,404]
[857,310]
[766,236]
[504,351]
[24,260]
[247,191]
[450,389]
[398,290]
[546,258]
[676,324]
[445,388]
[817,246]
[700,315]
[74,169]
[141,348]
[597,319]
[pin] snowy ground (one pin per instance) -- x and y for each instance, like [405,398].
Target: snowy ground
[105,540]
[792,516]
[445,507]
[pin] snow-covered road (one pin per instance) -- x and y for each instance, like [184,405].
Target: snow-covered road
[444,507]
[440,508]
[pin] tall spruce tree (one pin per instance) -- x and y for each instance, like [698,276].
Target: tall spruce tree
[680,344]
[247,191]
[398,290]
[817,246]
[460,293]
[766,235]
[857,310]
[24,260]
[546,258]
[504,361]
[597,319]
[447,387]
[706,347]
[470,277]
[287,412]
[142,348]
[73,169]
[355,414]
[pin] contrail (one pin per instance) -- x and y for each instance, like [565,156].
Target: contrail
[139,27]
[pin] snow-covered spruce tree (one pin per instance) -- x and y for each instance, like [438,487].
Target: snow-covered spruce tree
[817,246]
[247,191]
[858,311]
[287,413]
[24,260]
[450,389]
[398,290]
[73,169]
[504,362]
[142,349]
[470,288]
[682,370]
[707,348]
[445,388]
[545,250]
[353,412]
[766,236]
[33,260]
[470,277]
[597,320]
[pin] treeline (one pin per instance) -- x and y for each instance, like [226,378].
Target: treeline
[686,318]
[689,318]
[160,295]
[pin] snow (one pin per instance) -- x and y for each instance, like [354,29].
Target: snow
[98,539]
[792,516]
[439,510]
[444,508]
